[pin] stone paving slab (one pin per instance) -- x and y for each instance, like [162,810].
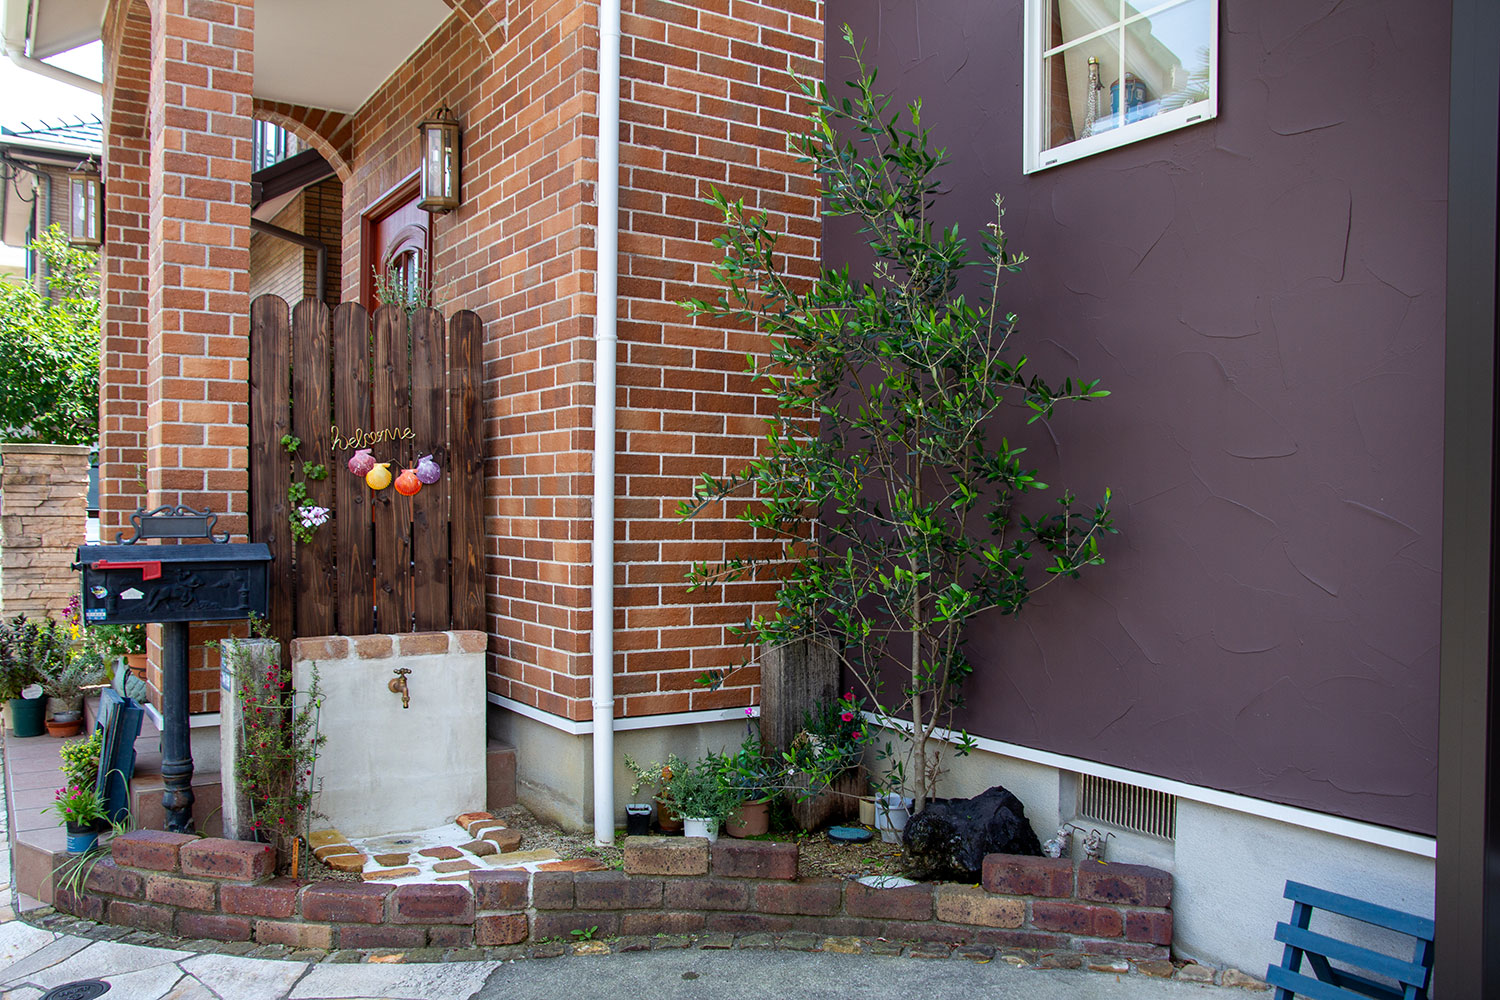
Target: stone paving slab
[396,982]
[244,978]
[106,958]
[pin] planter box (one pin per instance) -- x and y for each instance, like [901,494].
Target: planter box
[839,801]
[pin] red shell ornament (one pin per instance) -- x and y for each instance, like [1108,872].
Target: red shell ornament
[361,462]
[407,484]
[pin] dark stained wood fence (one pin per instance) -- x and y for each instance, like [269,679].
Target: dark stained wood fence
[384,562]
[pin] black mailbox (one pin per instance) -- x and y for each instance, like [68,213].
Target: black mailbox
[131,584]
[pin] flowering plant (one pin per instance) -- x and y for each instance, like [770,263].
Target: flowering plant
[80,759]
[834,734]
[77,805]
[280,744]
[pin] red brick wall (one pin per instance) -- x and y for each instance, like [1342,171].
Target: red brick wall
[706,101]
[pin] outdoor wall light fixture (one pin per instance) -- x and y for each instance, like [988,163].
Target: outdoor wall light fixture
[440,136]
[86,205]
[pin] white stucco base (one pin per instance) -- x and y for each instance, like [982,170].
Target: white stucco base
[389,769]
[555,769]
[1229,865]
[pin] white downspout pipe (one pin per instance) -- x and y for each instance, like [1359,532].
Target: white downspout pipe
[605,341]
[22,60]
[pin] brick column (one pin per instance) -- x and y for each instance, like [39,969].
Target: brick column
[122,267]
[43,511]
[198,282]
[197,437]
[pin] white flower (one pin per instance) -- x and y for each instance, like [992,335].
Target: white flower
[313,516]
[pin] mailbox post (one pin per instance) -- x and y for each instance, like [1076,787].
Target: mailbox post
[211,580]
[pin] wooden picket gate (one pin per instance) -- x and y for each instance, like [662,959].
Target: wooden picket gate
[384,562]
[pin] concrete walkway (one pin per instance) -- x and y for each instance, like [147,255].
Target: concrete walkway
[34,960]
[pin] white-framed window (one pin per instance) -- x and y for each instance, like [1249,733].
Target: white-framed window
[1104,73]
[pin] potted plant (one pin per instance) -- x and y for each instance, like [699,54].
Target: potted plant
[82,811]
[702,797]
[64,690]
[119,642]
[752,779]
[80,759]
[30,649]
[655,776]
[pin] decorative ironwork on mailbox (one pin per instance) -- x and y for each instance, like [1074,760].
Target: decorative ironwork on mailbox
[216,581]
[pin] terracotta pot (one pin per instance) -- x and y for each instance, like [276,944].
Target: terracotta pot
[64,729]
[751,819]
[136,662]
[667,818]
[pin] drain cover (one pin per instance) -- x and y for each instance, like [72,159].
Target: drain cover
[84,989]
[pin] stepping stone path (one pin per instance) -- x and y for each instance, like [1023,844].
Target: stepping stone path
[475,841]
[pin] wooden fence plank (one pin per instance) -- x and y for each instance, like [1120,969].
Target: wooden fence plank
[317,576]
[390,393]
[429,508]
[270,358]
[465,469]
[351,413]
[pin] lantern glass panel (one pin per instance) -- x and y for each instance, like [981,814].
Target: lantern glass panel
[439,165]
[83,220]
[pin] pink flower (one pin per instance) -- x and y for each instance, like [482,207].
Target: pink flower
[749,712]
[847,717]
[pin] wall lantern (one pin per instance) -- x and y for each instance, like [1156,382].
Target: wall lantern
[439,161]
[86,205]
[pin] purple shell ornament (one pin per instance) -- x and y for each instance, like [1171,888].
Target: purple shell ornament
[428,471]
[362,462]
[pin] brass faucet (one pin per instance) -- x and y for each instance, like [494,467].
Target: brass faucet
[397,685]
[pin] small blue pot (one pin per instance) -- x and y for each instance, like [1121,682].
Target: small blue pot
[81,839]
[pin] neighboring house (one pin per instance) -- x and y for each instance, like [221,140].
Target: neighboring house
[1236,218]
[34,167]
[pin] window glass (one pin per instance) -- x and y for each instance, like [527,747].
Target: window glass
[1111,72]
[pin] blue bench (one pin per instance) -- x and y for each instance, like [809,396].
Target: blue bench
[1332,983]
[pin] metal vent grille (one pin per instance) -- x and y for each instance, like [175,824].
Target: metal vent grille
[1127,806]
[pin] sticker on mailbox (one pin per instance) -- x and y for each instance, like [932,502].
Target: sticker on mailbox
[94,614]
[132,594]
[99,590]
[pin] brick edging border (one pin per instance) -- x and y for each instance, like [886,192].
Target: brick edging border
[222,890]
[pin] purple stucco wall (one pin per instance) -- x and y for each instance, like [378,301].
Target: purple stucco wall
[1264,296]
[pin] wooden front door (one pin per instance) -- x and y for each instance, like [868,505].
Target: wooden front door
[398,248]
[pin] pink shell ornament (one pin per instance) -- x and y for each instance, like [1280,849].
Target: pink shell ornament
[428,471]
[361,462]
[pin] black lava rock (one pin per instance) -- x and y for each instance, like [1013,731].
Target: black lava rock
[949,839]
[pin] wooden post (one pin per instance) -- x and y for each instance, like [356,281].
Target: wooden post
[793,679]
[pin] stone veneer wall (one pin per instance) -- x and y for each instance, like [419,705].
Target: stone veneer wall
[43,519]
[222,889]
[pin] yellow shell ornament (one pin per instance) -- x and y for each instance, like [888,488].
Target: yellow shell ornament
[379,477]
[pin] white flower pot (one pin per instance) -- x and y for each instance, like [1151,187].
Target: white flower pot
[891,813]
[696,827]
